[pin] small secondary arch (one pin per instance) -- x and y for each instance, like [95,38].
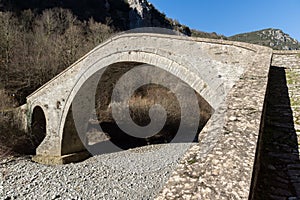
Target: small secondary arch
[38,125]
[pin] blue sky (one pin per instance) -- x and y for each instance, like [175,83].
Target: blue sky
[229,17]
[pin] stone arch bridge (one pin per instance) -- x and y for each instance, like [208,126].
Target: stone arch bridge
[231,76]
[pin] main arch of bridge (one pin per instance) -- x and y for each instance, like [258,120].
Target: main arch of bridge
[210,67]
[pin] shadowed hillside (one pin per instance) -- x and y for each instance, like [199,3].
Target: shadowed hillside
[99,10]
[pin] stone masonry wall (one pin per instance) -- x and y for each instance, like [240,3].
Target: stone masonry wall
[205,177]
[278,164]
[286,59]
[19,116]
[221,165]
[187,58]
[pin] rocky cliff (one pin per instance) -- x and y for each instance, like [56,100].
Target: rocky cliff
[143,14]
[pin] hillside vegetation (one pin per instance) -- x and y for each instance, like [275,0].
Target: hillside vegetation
[40,38]
[36,47]
[274,38]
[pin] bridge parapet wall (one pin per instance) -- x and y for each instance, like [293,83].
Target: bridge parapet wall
[223,164]
[290,60]
[287,59]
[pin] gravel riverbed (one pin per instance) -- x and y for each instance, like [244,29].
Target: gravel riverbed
[138,173]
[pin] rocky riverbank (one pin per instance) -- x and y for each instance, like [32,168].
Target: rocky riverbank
[138,173]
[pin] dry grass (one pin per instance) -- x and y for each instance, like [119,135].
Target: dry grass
[144,98]
[6,101]
[147,96]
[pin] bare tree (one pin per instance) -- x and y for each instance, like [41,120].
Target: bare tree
[36,47]
[73,45]
[8,37]
[97,32]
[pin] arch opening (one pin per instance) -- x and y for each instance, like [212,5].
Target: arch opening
[139,105]
[38,127]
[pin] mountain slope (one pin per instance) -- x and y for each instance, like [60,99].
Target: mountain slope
[121,14]
[115,11]
[129,14]
[274,38]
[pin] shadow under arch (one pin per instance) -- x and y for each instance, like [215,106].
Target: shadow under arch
[71,142]
[99,128]
[171,63]
[38,126]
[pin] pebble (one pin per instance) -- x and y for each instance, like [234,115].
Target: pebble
[131,174]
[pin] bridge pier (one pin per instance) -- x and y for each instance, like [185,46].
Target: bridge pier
[57,148]
[53,152]
[63,159]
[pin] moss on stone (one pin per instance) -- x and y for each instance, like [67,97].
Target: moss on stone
[192,161]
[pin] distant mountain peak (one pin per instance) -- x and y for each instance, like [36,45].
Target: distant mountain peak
[143,14]
[271,37]
[278,35]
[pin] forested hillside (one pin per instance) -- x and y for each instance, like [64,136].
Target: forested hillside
[35,47]
[40,38]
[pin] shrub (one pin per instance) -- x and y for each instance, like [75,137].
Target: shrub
[12,140]
[6,101]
